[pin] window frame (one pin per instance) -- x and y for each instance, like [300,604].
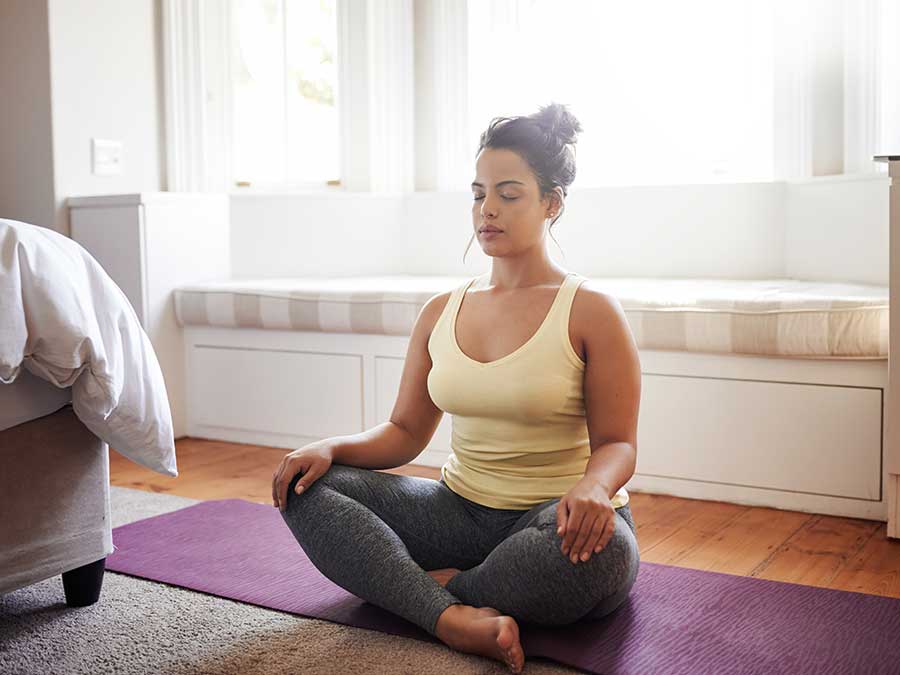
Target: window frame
[418,50]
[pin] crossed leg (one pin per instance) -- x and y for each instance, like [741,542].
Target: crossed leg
[528,577]
[372,533]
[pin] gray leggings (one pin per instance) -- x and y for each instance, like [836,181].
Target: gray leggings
[375,534]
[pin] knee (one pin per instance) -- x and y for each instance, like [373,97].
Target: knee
[293,499]
[600,583]
[340,476]
[623,547]
[336,478]
[616,570]
[615,560]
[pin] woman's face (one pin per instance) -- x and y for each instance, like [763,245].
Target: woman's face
[506,197]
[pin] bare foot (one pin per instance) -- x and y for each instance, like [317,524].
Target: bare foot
[483,631]
[443,576]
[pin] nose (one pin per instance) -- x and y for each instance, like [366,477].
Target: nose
[487,209]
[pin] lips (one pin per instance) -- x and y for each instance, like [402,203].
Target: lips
[490,229]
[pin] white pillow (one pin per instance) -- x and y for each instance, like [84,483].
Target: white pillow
[63,317]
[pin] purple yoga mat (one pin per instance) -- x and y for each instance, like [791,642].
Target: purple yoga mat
[676,620]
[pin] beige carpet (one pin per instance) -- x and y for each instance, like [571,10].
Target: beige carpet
[141,626]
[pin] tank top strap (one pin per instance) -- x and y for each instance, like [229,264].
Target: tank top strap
[453,303]
[561,309]
[459,292]
[462,288]
[564,307]
[567,296]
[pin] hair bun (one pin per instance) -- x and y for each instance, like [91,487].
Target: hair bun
[558,123]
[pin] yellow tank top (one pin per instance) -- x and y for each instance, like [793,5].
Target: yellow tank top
[519,433]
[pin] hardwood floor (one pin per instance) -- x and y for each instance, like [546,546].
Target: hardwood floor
[816,550]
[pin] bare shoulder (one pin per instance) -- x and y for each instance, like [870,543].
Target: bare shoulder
[597,316]
[431,311]
[595,304]
[436,303]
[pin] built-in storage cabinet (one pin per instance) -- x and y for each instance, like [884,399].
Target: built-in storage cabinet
[804,435]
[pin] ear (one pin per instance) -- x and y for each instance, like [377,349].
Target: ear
[555,201]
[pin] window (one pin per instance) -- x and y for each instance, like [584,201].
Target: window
[668,92]
[284,118]
[391,96]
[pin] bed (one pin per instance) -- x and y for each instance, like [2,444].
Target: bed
[77,375]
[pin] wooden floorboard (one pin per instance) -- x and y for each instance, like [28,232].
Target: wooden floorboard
[816,550]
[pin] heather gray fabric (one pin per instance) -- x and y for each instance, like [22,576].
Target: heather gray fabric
[376,534]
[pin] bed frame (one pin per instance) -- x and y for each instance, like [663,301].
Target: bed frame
[54,478]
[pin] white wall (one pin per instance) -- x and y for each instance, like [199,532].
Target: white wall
[316,235]
[71,70]
[837,229]
[714,230]
[26,143]
[673,231]
[105,75]
[828,228]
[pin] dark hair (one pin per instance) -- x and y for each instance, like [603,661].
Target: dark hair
[545,139]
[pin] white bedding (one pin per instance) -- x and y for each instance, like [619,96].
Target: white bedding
[29,398]
[67,322]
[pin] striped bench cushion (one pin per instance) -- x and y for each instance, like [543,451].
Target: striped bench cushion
[772,317]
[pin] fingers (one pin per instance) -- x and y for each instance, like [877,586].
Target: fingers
[285,474]
[581,537]
[572,528]
[592,535]
[592,540]
[284,479]
[309,476]
[561,517]
[275,479]
[608,532]
[274,494]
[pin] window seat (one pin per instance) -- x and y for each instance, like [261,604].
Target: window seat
[763,392]
[773,317]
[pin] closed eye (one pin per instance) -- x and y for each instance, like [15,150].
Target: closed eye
[509,199]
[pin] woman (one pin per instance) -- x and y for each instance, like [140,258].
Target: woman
[529,521]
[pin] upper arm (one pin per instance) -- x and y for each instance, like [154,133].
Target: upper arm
[612,378]
[414,410]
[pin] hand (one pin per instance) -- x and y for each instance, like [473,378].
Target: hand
[311,460]
[586,520]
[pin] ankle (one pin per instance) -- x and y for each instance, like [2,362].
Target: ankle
[448,618]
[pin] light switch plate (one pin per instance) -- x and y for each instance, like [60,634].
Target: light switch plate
[106,157]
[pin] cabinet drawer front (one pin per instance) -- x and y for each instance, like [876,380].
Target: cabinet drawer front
[286,392]
[796,437]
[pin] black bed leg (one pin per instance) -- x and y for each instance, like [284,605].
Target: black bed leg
[82,585]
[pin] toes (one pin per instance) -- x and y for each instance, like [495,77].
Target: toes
[507,640]
[515,662]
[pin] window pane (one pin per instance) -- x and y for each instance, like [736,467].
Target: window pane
[666,92]
[284,82]
[312,127]
[258,128]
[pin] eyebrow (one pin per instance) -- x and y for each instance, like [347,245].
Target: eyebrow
[503,182]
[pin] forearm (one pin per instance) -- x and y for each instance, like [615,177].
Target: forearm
[385,446]
[612,465]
